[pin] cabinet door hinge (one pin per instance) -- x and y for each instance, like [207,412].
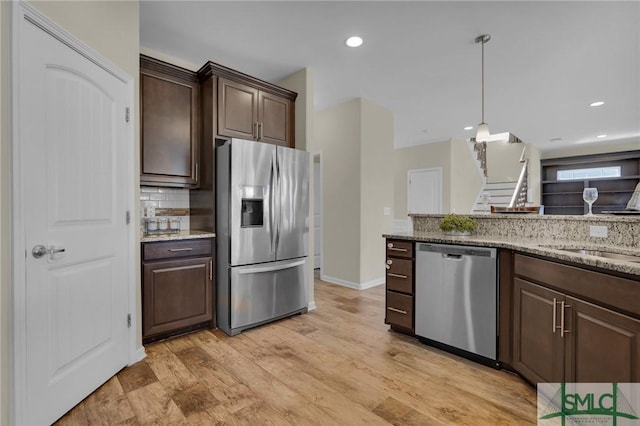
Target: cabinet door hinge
[128,320]
[126,114]
[128,217]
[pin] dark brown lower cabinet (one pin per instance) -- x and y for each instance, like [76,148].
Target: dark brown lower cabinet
[559,338]
[537,352]
[400,266]
[603,345]
[177,293]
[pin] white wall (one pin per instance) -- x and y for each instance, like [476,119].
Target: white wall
[503,161]
[420,157]
[465,177]
[533,154]
[111,28]
[301,82]
[356,140]
[169,59]
[593,148]
[338,137]
[376,188]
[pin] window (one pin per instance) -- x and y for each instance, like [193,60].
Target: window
[591,173]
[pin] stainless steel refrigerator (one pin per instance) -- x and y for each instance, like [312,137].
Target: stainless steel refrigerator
[262,229]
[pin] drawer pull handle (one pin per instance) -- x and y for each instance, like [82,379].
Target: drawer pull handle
[562,330]
[182,249]
[400,311]
[398,249]
[554,315]
[404,277]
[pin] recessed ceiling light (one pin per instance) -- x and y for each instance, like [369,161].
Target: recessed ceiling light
[598,103]
[601,136]
[469,128]
[353,41]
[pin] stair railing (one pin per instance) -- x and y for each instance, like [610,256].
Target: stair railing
[519,198]
[481,154]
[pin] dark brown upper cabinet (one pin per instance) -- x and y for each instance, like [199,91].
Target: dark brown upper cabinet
[170,125]
[274,114]
[250,108]
[237,110]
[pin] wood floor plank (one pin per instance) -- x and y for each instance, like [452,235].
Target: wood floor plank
[292,407]
[336,365]
[305,384]
[171,371]
[153,405]
[136,376]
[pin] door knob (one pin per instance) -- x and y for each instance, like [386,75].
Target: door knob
[39,251]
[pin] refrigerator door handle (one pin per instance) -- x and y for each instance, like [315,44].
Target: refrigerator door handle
[259,269]
[278,214]
[272,205]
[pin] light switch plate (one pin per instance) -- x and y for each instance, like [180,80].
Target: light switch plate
[598,231]
[386,211]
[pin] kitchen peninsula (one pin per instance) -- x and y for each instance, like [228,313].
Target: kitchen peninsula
[568,301]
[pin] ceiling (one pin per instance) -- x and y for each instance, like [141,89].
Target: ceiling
[545,63]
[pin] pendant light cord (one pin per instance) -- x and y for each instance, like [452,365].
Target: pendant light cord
[483,38]
[482,79]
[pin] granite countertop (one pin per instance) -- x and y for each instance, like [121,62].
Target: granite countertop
[549,248]
[630,217]
[182,235]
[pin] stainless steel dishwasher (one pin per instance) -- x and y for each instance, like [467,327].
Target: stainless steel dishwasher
[456,299]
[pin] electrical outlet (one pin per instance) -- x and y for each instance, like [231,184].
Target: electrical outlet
[386,211]
[598,231]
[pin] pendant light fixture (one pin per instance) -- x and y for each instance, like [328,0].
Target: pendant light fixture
[482,134]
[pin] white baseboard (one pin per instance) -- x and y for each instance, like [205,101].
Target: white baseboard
[138,355]
[311,305]
[351,284]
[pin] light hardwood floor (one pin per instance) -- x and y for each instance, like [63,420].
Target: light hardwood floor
[336,365]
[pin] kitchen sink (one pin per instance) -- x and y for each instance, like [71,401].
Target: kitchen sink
[601,253]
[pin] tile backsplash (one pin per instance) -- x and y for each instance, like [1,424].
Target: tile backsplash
[167,202]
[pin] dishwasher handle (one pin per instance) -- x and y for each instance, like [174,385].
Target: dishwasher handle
[452,256]
[457,250]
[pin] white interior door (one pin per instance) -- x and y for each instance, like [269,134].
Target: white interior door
[72,187]
[317,217]
[424,191]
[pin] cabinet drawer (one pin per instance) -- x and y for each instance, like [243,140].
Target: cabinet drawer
[616,292]
[176,249]
[400,248]
[399,310]
[400,275]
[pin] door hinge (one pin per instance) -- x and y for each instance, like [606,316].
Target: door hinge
[126,114]
[128,217]
[128,320]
